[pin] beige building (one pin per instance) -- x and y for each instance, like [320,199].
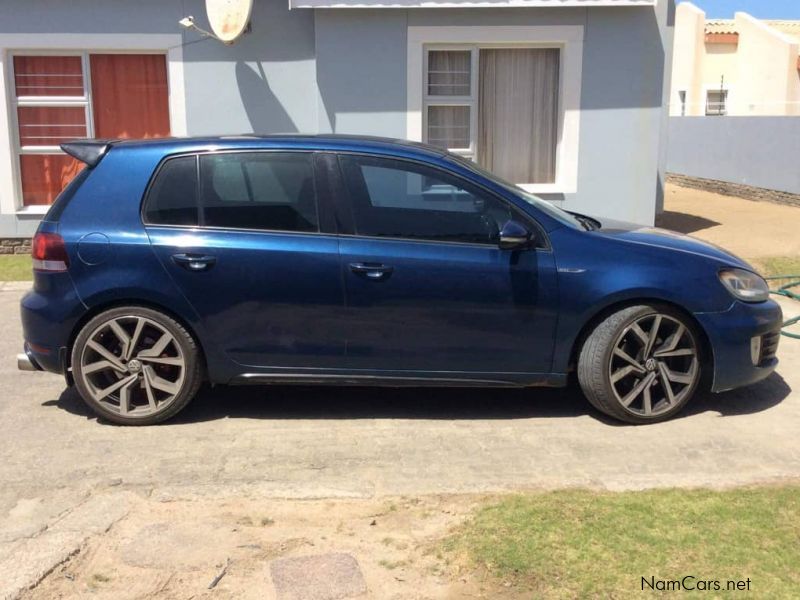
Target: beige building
[738,67]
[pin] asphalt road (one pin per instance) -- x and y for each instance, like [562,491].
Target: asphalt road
[306,442]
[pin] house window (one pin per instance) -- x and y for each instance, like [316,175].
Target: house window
[497,106]
[716,102]
[65,97]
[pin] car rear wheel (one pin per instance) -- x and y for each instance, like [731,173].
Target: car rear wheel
[135,366]
[641,364]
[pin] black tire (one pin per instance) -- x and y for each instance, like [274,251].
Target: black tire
[595,364]
[184,346]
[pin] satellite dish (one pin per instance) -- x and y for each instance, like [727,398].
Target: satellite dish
[228,18]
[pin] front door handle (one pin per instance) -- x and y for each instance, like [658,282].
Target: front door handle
[194,262]
[372,271]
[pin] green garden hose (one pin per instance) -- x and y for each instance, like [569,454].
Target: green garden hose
[786,291]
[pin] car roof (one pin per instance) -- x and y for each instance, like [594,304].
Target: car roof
[294,141]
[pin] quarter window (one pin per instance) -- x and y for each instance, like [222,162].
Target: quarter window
[172,199]
[398,199]
[259,190]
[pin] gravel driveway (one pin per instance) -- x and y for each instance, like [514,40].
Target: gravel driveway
[65,476]
[362,442]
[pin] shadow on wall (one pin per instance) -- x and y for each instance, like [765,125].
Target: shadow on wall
[264,111]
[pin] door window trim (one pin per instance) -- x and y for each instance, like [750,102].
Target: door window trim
[543,240]
[323,223]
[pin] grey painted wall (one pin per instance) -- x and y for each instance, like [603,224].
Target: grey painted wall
[361,71]
[265,83]
[758,151]
[345,71]
[89,16]
[621,159]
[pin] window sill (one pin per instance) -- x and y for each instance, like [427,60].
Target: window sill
[38,210]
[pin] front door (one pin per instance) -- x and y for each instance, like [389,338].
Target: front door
[252,260]
[427,286]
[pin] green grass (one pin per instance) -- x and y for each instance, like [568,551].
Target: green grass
[778,265]
[15,267]
[572,544]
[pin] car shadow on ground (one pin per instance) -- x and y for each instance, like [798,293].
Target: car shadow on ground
[682,222]
[323,402]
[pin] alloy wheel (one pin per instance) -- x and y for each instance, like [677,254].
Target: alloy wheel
[654,365]
[133,366]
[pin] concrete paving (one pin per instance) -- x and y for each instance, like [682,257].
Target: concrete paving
[289,442]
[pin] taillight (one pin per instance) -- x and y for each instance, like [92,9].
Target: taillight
[49,252]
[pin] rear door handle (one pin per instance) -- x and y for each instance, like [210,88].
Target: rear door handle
[372,271]
[194,262]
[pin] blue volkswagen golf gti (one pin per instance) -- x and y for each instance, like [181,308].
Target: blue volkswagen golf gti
[343,260]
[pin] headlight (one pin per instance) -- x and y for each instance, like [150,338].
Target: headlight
[744,285]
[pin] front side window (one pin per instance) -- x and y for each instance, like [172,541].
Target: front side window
[259,190]
[400,199]
[55,103]
[497,106]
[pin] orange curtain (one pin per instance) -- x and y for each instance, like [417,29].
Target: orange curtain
[129,95]
[45,175]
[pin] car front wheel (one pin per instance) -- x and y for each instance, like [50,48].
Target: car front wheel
[135,366]
[641,364]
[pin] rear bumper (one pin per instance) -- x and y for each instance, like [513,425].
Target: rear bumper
[49,314]
[731,332]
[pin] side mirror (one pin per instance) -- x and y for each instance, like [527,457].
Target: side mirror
[514,236]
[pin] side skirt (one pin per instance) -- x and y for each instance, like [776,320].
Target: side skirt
[402,379]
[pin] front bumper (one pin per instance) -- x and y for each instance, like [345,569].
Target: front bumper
[730,334]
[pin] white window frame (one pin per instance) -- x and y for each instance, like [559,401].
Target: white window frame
[471,101]
[84,101]
[568,39]
[169,45]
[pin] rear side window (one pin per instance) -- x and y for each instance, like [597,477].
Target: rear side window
[172,199]
[259,190]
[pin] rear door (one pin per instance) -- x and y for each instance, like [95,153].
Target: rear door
[428,288]
[242,236]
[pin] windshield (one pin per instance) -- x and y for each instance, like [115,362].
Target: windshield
[549,209]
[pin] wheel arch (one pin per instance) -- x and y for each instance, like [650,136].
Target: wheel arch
[101,307]
[707,350]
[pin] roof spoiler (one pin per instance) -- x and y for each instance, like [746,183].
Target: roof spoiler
[90,152]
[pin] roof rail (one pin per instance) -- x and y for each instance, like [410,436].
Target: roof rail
[90,152]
